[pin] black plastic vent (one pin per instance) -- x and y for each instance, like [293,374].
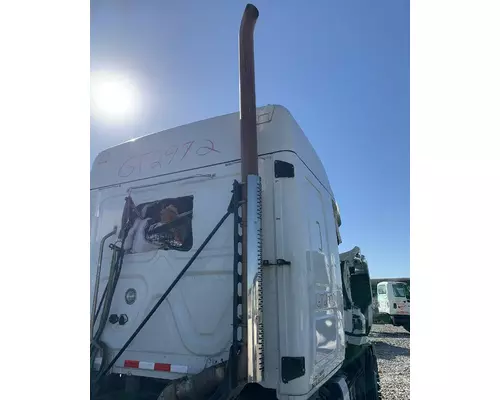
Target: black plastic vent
[282,169]
[292,368]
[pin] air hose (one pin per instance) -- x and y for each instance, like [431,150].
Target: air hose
[97,345]
[115,269]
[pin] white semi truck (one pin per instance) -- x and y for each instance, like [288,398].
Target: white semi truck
[393,299]
[215,268]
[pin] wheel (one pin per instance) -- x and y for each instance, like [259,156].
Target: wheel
[406,325]
[367,384]
[373,390]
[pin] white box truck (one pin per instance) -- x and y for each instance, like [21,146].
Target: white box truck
[215,267]
[393,299]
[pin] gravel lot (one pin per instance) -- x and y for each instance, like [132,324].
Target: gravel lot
[392,347]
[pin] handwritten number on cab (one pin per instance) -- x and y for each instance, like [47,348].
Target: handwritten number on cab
[159,159]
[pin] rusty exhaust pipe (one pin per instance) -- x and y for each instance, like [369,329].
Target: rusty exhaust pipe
[250,362]
[248,108]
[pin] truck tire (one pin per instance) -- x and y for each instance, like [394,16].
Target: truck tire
[373,391]
[366,383]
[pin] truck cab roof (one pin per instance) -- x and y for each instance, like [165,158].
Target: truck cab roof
[200,144]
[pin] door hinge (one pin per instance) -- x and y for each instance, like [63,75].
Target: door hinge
[279,261]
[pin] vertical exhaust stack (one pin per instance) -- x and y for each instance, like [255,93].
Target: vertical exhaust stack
[248,108]
[250,365]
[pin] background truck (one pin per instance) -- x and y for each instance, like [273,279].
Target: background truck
[215,269]
[393,299]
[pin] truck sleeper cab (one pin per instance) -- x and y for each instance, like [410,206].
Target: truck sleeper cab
[188,172]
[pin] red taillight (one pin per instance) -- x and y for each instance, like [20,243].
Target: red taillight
[131,364]
[162,367]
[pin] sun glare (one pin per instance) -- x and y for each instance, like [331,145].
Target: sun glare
[113,97]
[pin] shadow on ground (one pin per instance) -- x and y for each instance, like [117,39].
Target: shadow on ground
[387,351]
[396,335]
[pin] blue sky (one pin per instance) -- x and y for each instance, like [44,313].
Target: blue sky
[341,67]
